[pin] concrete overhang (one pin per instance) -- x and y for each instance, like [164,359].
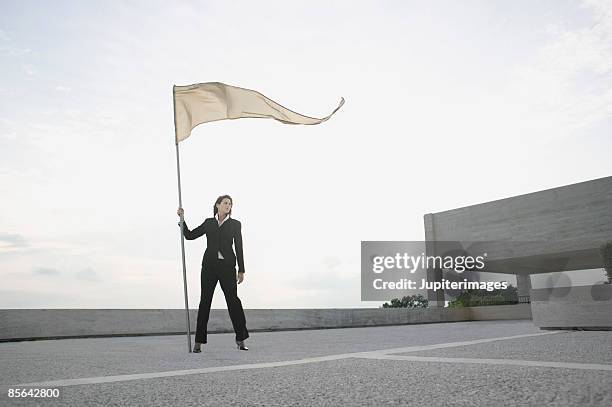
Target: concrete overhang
[556,229]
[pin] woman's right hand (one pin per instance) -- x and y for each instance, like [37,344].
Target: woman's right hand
[180,212]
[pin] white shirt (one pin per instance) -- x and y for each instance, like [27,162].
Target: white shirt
[221,223]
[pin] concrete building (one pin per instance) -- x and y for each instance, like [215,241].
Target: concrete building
[557,229]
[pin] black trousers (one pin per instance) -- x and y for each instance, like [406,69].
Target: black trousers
[220,271]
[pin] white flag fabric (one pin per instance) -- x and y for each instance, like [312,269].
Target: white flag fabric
[211,101]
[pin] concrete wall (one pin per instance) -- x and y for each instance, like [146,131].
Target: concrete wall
[61,323]
[490,313]
[586,307]
[574,221]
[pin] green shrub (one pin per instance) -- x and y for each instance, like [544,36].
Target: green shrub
[474,298]
[411,301]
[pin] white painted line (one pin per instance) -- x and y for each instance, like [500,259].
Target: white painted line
[155,375]
[172,373]
[530,363]
[455,344]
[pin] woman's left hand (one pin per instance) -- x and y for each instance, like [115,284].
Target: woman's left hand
[240,277]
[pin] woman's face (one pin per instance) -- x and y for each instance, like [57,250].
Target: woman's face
[224,207]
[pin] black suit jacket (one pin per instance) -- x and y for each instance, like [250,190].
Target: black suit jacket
[219,239]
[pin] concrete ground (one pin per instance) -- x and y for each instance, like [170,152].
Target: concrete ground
[484,363]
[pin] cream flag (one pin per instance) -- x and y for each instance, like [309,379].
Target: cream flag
[211,101]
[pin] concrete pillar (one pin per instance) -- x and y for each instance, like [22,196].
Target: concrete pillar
[523,284]
[435,298]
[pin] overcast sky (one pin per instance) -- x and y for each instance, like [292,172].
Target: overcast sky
[448,104]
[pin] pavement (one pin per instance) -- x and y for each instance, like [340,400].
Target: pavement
[478,363]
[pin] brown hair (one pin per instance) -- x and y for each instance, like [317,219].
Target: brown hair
[218,201]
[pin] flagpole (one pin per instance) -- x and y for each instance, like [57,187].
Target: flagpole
[178,173]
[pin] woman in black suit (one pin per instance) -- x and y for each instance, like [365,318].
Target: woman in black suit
[219,264]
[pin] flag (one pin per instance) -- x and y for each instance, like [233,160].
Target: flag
[212,101]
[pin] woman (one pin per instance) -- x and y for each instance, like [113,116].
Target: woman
[219,264]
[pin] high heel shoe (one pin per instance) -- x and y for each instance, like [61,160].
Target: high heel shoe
[241,345]
[197,349]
